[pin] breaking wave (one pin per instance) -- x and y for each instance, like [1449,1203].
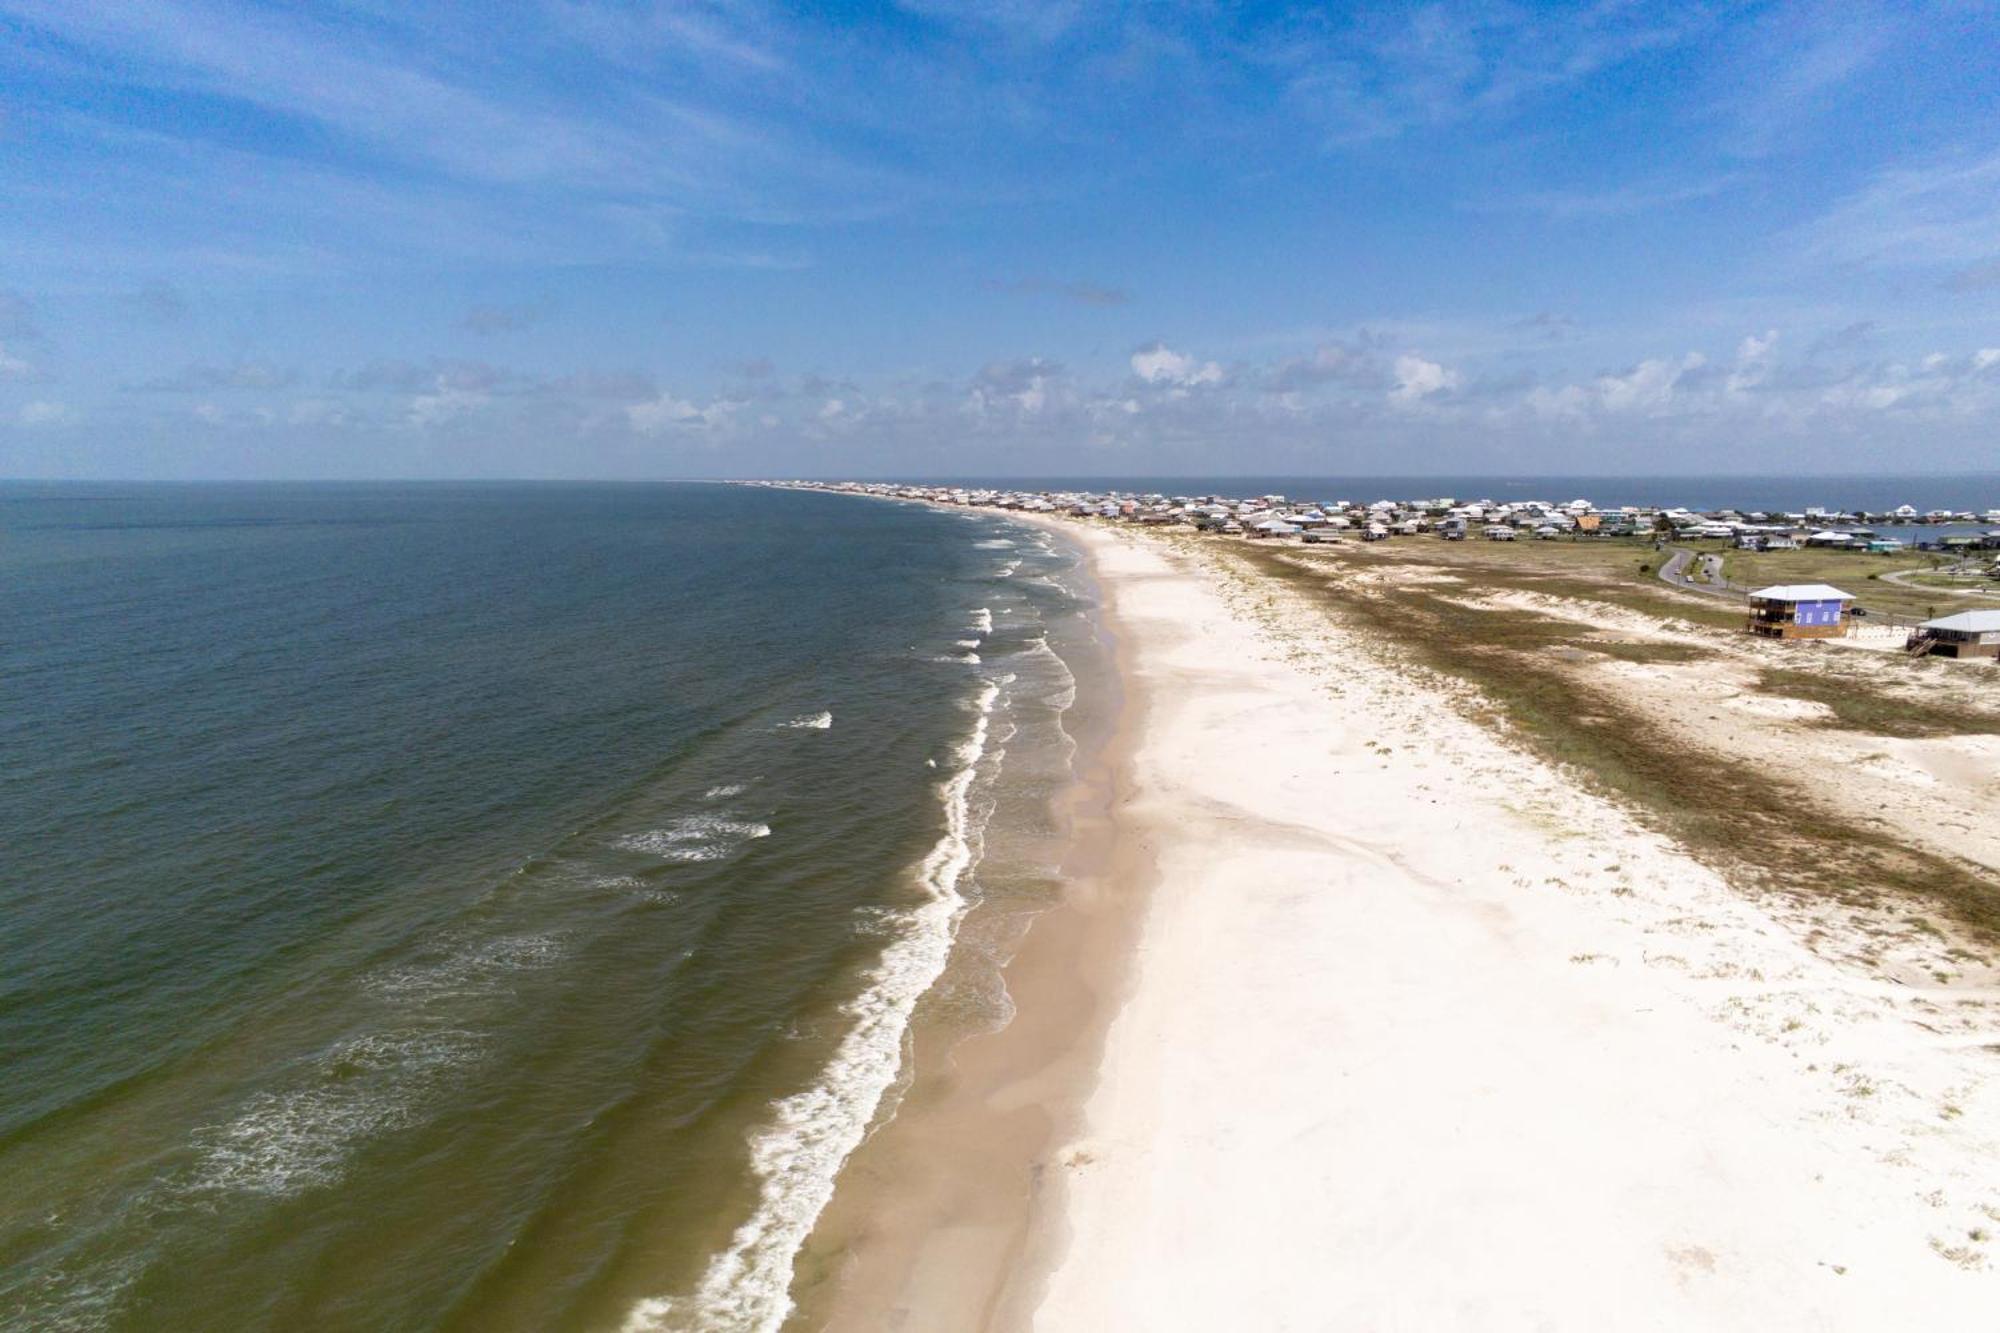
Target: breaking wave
[798,1157]
[284,1142]
[695,838]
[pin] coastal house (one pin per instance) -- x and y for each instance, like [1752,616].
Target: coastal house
[1800,611]
[1967,634]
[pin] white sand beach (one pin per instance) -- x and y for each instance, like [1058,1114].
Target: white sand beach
[1420,1035]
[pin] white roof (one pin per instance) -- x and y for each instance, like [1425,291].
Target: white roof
[1968,622]
[1802,592]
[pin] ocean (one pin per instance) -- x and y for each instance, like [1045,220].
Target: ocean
[493,906]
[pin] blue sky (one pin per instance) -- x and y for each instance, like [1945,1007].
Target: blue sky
[579,238]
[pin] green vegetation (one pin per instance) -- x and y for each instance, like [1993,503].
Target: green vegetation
[1618,571]
[1860,707]
[1857,572]
[1720,808]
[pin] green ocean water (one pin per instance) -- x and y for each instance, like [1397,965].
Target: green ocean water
[486,907]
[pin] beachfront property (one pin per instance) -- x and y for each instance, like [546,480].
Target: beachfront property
[1967,634]
[1452,519]
[1800,611]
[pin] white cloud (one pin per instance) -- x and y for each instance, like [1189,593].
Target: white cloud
[1159,364]
[1648,386]
[1417,379]
[46,414]
[665,412]
[447,403]
[13,367]
[1753,362]
[1754,348]
[1025,387]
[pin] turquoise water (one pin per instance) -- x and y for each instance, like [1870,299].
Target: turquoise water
[489,906]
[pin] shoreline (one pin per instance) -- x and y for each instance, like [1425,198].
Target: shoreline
[948,1208]
[1411,1030]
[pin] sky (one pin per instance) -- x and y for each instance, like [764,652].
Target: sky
[577,238]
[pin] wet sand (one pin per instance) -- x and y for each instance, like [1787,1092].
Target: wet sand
[950,1216]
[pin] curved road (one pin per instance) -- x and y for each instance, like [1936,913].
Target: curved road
[1901,579]
[1674,571]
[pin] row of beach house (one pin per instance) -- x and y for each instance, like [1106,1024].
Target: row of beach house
[1793,611]
[1276,516]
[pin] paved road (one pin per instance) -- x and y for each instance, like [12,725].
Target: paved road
[1674,571]
[1901,579]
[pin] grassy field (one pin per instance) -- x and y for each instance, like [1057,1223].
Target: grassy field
[1624,571]
[1616,570]
[1850,571]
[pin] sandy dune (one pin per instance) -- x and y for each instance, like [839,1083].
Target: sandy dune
[1423,1037]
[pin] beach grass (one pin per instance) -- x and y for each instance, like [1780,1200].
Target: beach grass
[1739,819]
[1861,706]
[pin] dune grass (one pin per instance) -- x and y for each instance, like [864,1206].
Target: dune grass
[1723,810]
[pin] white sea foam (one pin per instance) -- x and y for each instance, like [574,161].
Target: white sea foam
[970,643]
[798,1157]
[1006,571]
[474,969]
[286,1141]
[993,544]
[696,838]
[728,789]
[982,620]
[71,1300]
[810,722]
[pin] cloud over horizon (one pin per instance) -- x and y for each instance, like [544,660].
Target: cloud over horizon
[654,240]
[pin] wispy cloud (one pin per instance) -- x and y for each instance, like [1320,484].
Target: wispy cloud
[1945,213]
[1618,201]
[1392,70]
[1792,63]
[1083,293]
